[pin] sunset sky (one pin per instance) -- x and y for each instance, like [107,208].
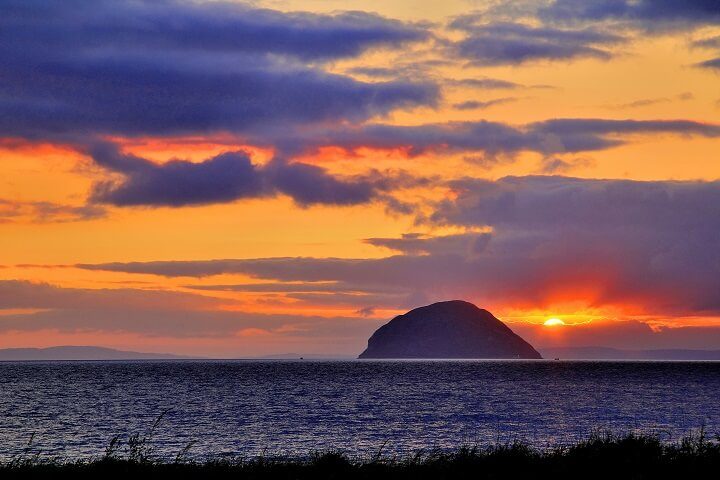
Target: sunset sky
[243,179]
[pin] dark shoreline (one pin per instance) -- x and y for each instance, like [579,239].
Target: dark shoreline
[602,456]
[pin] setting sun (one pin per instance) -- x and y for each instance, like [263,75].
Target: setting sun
[553,322]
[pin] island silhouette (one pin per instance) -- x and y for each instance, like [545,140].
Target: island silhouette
[451,329]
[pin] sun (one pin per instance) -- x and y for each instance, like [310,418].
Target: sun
[553,322]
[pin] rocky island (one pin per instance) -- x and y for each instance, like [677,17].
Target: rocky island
[453,329]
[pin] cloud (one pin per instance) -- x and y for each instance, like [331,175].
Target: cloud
[191,324]
[646,102]
[285,269]
[506,43]
[650,15]
[350,300]
[594,126]
[366,312]
[629,335]
[713,64]
[179,316]
[155,313]
[641,243]
[468,244]
[96,68]
[547,137]
[585,134]
[309,184]
[567,29]
[711,42]
[225,178]
[47,212]
[484,83]
[229,27]
[277,287]
[554,165]
[647,246]
[23,294]
[480,105]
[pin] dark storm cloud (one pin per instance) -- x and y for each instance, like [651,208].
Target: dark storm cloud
[647,14]
[652,245]
[225,178]
[505,43]
[171,68]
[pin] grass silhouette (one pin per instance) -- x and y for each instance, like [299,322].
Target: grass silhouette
[602,456]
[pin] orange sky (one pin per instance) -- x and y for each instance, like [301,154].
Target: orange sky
[50,226]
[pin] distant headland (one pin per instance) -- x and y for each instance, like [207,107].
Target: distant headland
[452,329]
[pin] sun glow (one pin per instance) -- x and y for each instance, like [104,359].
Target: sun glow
[553,322]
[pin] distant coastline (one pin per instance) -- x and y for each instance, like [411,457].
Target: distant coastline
[93,353]
[71,352]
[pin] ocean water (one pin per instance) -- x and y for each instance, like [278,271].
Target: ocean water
[248,408]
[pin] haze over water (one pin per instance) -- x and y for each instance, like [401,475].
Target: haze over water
[248,408]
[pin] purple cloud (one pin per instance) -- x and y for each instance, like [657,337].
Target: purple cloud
[96,68]
[503,43]
[228,177]
[547,137]
[47,212]
[651,15]
[652,245]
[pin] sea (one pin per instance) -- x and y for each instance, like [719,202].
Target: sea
[244,409]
